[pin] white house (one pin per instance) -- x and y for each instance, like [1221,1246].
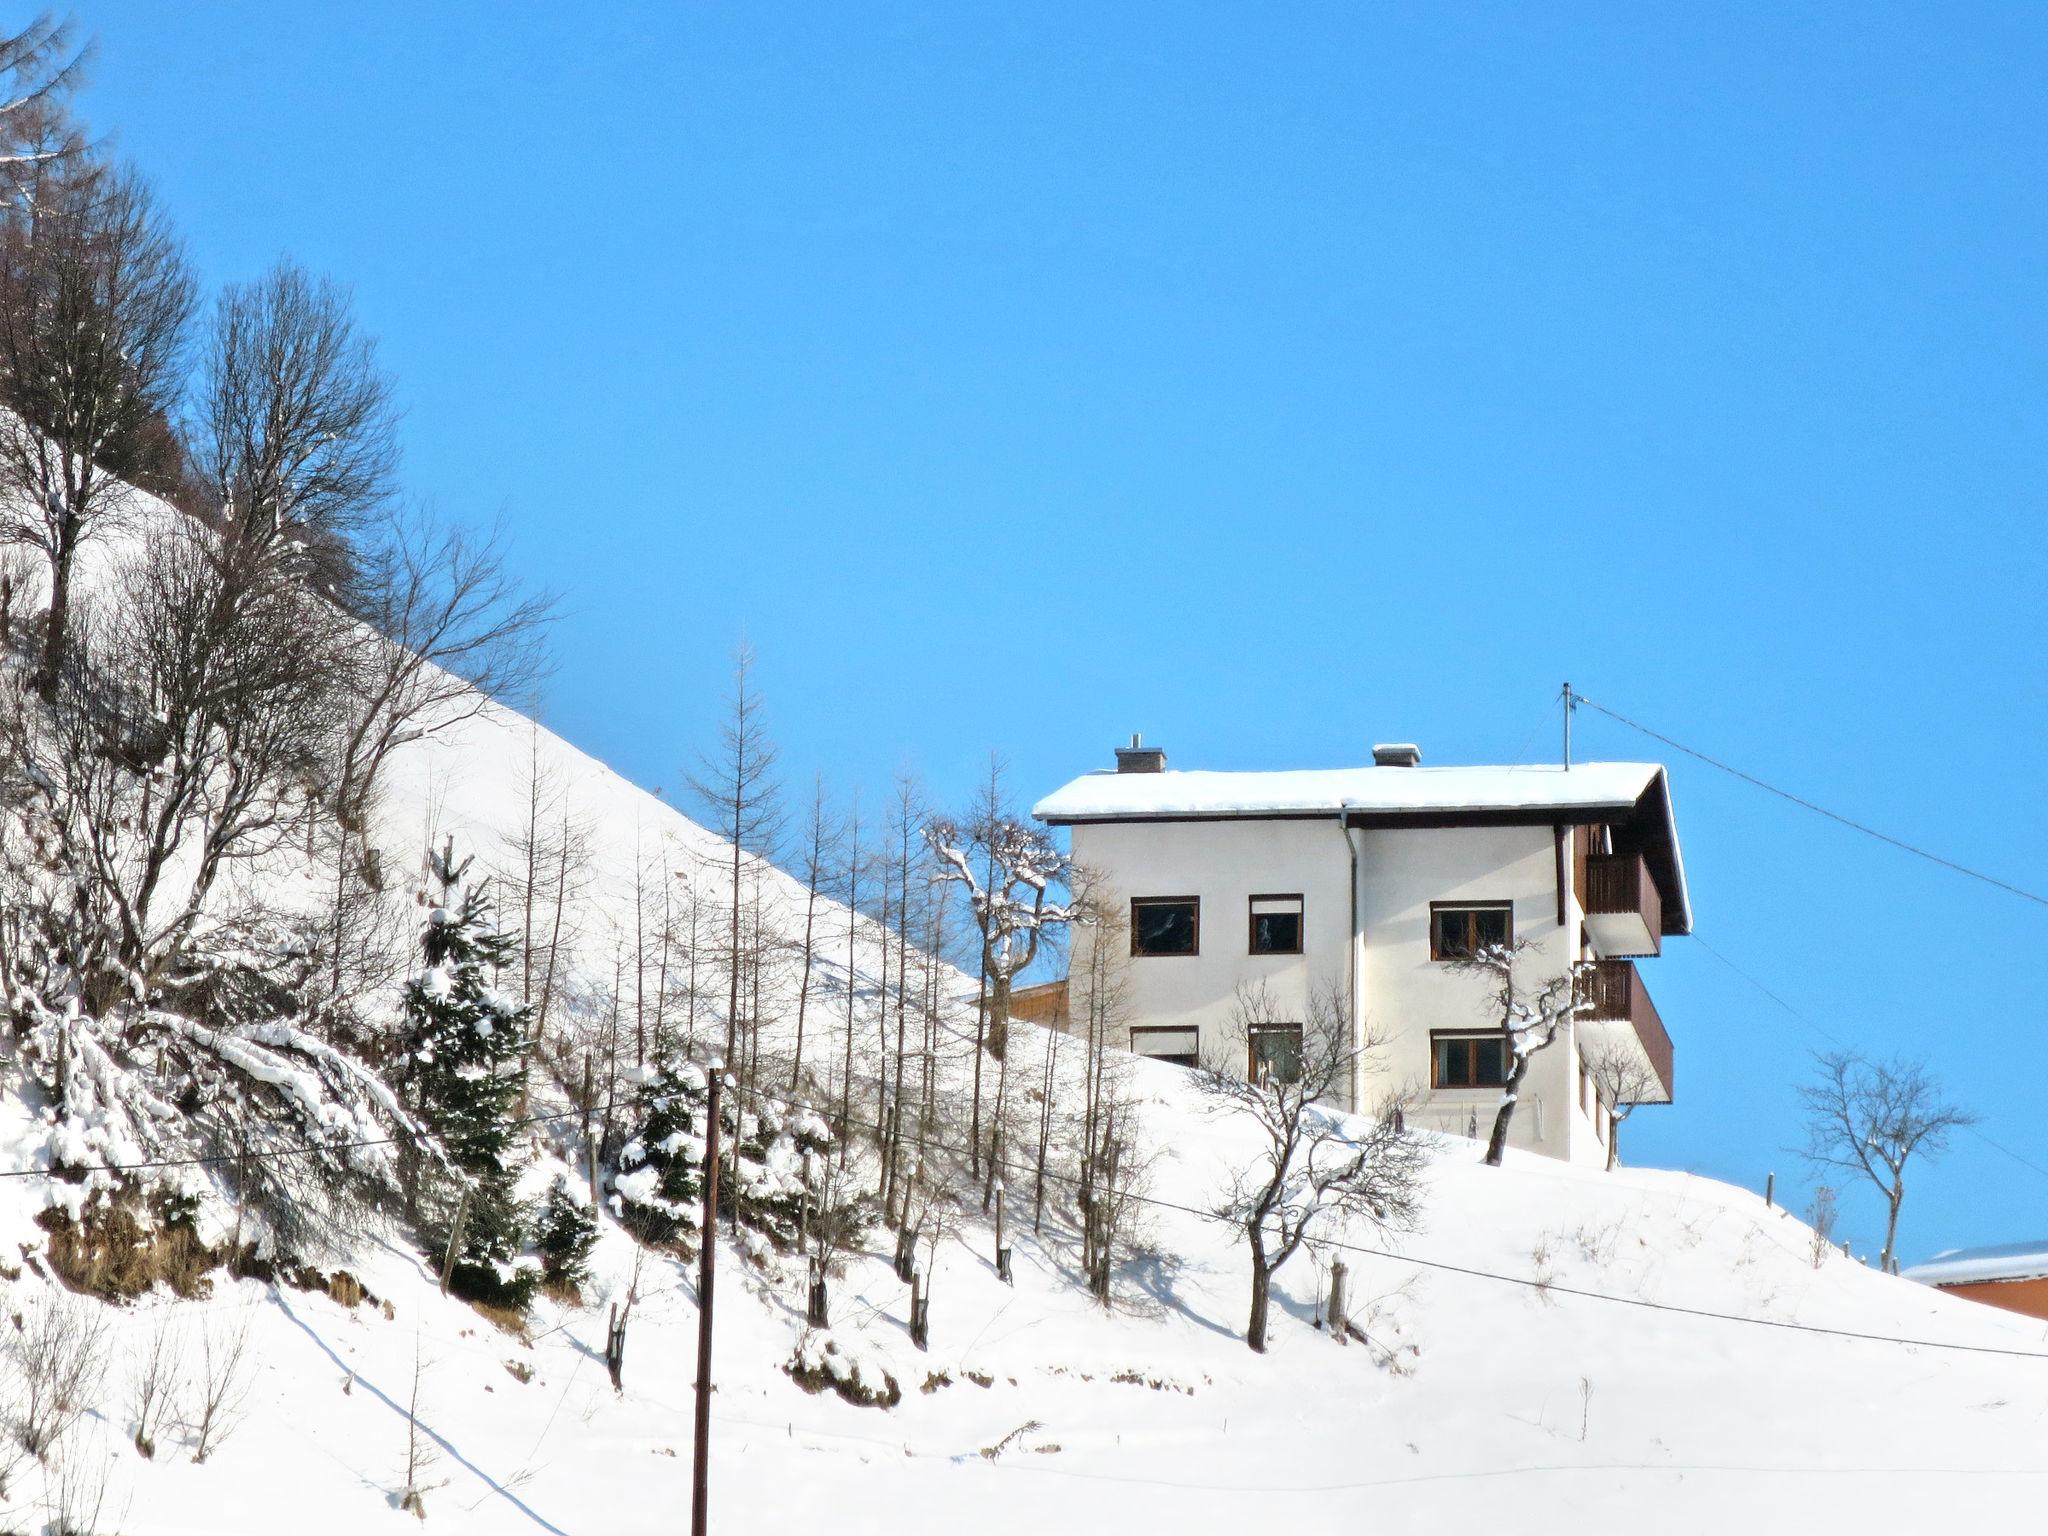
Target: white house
[1369,882]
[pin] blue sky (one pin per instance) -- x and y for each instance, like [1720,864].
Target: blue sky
[1271,381]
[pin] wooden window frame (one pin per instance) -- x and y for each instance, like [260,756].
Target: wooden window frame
[1166,901]
[1436,1035]
[1275,1027]
[1435,907]
[1168,1029]
[1251,922]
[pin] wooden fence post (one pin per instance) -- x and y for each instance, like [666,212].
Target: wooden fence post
[1339,1325]
[1002,1246]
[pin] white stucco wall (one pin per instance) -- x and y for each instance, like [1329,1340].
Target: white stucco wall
[1402,994]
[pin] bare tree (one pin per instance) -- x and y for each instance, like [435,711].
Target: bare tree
[737,788]
[60,1360]
[1312,1168]
[815,870]
[294,433]
[449,629]
[1821,1217]
[1009,870]
[853,862]
[1113,1162]
[1624,1079]
[222,1385]
[153,1384]
[1870,1118]
[1532,1018]
[420,1452]
[95,296]
[204,691]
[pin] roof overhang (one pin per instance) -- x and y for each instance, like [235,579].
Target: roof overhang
[1634,798]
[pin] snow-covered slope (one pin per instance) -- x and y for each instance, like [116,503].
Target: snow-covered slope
[1496,1403]
[1524,1406]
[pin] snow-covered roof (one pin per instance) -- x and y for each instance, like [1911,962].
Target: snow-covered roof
[1540,790]
[2005,1261]
[1111,796]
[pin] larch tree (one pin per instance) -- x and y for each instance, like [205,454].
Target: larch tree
[815,870]
[1113,1159]
[1313,1168]
[1871,1118]
[736,786]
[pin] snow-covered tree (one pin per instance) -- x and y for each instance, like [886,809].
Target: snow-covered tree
[1010,870]
[1531,1016]
[658,1189]
[564,1232]
[465,1041]
[1314,1168]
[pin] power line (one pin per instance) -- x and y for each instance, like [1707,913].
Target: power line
[1827,1034]
[1549,1288]
[1818,809]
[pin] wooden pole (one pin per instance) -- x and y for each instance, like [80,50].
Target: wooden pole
[1339,1324]
[1002,1247]
[700,1463]
[455,1241]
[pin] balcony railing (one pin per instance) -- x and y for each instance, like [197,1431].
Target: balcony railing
[1616,991]
[1624,913]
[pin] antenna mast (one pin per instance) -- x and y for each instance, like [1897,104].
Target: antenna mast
[1570,700]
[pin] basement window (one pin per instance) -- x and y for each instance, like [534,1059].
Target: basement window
[1166,925]
[1276,925]
[1467,1061]
[1457,930]
[1179,1046]
[1275,1053]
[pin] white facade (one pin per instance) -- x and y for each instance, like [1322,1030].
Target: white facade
[1367,877]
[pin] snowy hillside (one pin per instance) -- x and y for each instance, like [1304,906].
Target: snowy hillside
[1492,1390]
[1032,1409]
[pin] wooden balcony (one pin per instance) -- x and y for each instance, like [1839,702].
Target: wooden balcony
[1624,913]
[1622,1016]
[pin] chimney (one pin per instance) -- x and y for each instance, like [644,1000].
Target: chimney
[1139,758]
[1396,754]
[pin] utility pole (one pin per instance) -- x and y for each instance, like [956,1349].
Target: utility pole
[700,1464]
[1570,701]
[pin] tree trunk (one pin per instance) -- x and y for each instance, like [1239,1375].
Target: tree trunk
[1893,1200]
[58,634]
[1510,1095]
[1262,1284]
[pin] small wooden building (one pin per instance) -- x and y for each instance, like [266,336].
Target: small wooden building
[2013,1276]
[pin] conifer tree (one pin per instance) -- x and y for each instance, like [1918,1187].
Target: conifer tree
[565,1230]
[463,1074]
[658,1186]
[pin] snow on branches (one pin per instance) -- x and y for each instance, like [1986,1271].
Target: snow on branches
[1531,1017]
[1009,870]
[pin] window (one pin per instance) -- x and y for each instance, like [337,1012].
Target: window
[1467,1061]
[1276,925]
[1179,1046]
[1166,925]
[1456,930]
[1275,1053]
